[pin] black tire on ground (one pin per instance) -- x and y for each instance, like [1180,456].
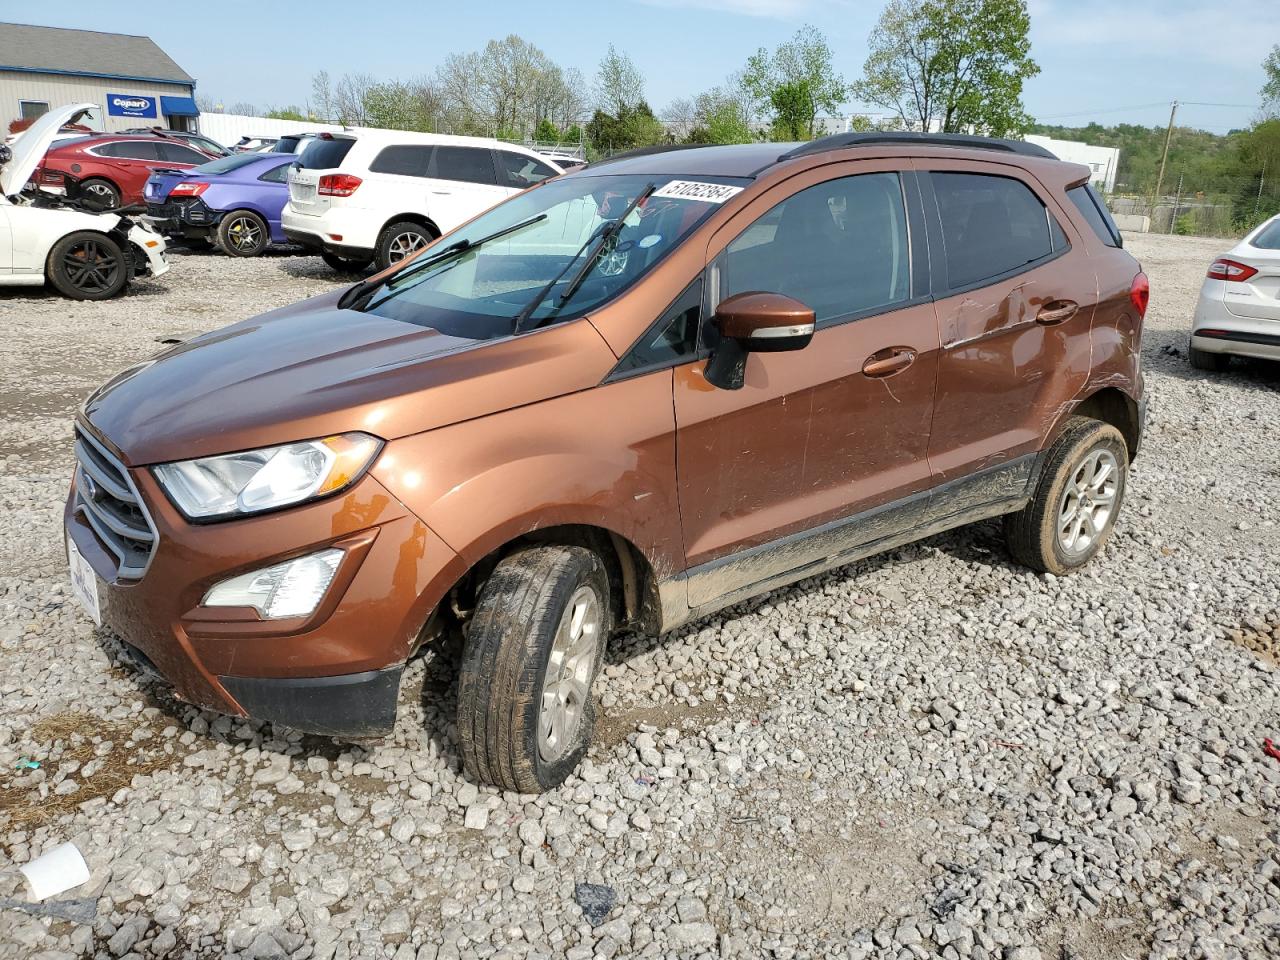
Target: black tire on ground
[242,233]
[402,239]
[101,190]
[1071,465]
[1203,360]
[345,264]
[530,597]
[86,265]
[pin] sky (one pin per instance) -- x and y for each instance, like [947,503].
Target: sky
[1107,60]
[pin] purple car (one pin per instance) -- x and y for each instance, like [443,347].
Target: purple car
[235,200]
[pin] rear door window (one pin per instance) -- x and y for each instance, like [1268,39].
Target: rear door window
[177,153]
[470,164]
[325,153]
[403,159]
[992,226]
[1095,214]
[520,171]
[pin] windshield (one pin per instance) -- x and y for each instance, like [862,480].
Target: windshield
[478,294]
[227,164]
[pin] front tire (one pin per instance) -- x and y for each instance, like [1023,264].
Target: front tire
[1074,509]
[525,711]
[242,233]
[402,240]
[1204,360]
[345,264]
[87,266]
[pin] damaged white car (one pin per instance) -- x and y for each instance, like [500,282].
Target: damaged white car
[64,240]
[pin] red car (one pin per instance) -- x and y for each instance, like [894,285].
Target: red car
[115,167]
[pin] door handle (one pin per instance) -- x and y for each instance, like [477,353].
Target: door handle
[887,362]
[1057,311]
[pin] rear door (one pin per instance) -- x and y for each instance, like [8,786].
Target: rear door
[462,182]
[821,434]
[1016,294]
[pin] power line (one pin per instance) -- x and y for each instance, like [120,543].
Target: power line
[1145,106]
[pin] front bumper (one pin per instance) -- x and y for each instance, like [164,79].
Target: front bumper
[152,244]
[335,672]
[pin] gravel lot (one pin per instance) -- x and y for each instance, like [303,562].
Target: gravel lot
[931,753]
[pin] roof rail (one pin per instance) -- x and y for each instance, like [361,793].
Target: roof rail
[840,141]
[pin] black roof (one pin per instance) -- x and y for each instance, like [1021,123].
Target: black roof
[751,159]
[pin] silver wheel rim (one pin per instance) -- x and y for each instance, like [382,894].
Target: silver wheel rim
[613,262]
[1089,502]
[403,245]
[244,234]
[567,682]
[102,190]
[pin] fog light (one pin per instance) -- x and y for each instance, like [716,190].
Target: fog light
[290,589]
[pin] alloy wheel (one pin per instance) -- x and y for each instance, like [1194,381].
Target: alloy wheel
[403,245]
[567,683]
[244,234]
[1088,502]
[91,266]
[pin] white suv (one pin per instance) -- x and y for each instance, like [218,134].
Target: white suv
[381,195]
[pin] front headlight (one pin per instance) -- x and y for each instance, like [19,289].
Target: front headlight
[243,483]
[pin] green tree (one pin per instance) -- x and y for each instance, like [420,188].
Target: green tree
[791,117]
[1271,86]
[951,65]
[632,127]
[801,75]
[619,84]
[290,112]
[546,132]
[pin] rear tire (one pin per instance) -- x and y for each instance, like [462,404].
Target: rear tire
[101,191]
[1076,502]
[242,233]
[87,266]
[1213,362]
[525,711]
[345,264]
[401,240]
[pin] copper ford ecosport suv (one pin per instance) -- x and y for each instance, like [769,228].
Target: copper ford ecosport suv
[627,398]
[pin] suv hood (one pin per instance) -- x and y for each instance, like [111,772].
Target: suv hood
[31,146]
[313,370]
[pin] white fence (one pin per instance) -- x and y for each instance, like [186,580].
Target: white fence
[227,128]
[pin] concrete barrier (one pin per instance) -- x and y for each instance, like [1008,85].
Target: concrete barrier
[1132,222]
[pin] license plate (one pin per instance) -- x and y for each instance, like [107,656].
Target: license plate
[84,582]
[304,191]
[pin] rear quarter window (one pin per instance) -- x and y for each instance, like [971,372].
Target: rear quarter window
[325,154]
[1095,214]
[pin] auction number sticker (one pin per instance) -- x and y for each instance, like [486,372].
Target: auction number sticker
[697,190]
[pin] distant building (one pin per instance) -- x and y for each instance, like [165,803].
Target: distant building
[133,82]
[1103,161]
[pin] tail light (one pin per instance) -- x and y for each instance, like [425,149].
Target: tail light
[188,189]
[1140,294]
[1231,271]
[338,185]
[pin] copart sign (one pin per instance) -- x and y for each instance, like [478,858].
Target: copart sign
[130,105]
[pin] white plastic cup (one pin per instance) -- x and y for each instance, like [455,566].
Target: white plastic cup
[56,871]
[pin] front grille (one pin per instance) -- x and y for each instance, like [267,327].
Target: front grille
[109,502]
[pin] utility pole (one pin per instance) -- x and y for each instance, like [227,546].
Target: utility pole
[1164,158]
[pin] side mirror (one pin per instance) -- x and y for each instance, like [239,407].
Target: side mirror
[755,323]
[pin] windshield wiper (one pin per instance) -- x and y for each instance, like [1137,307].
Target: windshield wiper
[601,238]
[364,290]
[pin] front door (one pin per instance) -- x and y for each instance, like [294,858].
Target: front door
[1016,296]
[822,434]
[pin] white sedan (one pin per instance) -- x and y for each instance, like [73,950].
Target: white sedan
[82,253]
[1238,313]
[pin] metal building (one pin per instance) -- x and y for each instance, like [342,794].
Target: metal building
[133,81]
